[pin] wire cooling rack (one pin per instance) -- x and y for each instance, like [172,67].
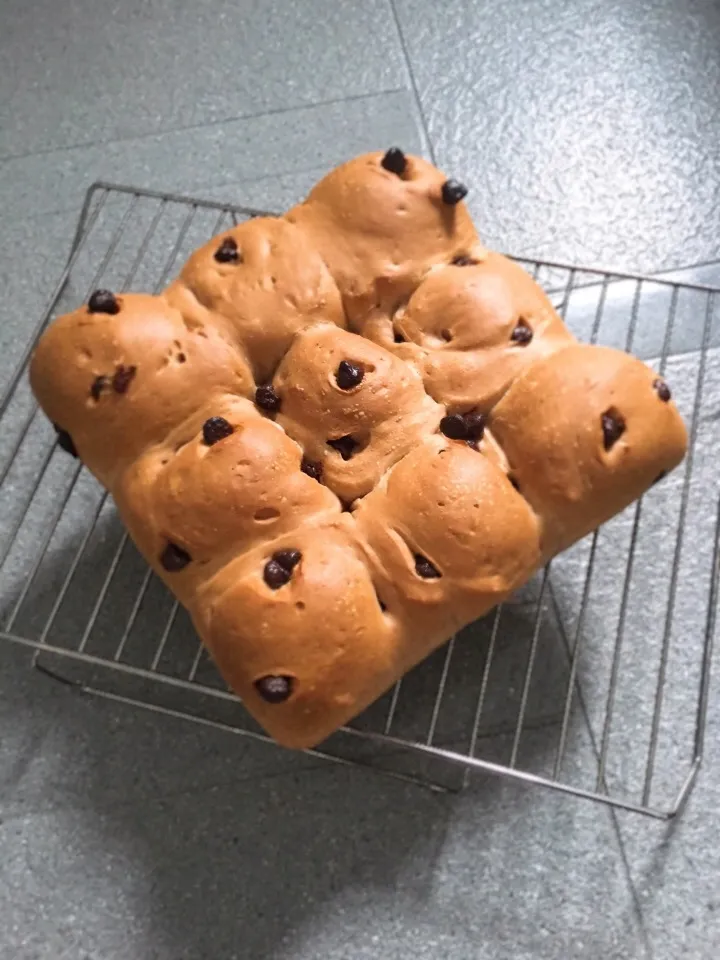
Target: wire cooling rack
[593,679]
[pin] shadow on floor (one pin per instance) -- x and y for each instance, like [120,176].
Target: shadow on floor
[235,844]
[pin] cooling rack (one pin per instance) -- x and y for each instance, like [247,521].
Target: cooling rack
[592,680]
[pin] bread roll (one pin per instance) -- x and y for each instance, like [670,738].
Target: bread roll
[380,222]
[225,482]
[586,431]
[329,505]
[268,282]
[354,408]
[309,653]
[471,329]
[448,531]
[120,374]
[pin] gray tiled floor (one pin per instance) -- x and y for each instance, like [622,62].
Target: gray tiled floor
[589,131]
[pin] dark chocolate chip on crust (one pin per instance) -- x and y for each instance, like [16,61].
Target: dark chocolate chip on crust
[288,559]
[65,441]
[98,385]
[345,446]
[275,575]
[613,427]
[453,192]
[425,569]
[662,390]
[216,429]
[313,468]
[395,161]
[463,260]
[122,378]
[103,301]
[522,334]
[348,374]
[274,689]
[174,558]
[454,427]
[228,251]
[267,399]
[475,423]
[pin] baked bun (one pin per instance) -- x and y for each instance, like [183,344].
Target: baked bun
[586,431]
[354,408]
[447,530]
[225,482]
[262,269]
[471,328]
[311,652]
[380,222]
[119,374]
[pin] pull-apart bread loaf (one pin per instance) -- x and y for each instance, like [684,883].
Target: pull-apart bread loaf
[341,435]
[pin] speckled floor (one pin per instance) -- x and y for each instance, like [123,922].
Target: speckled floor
[589,131]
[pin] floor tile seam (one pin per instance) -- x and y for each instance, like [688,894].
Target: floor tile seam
[183,128]
[414,89]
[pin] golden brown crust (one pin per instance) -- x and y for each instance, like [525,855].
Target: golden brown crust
[455,507]
[373,422]
[296,484]
[471,330]
[274,284]
[565,459]
[379,232]
[118,383]
[324,629]
[218,500]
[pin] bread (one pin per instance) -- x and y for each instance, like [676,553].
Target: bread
[586,431]
[122,374]
[471,328]
[380,222]
[341,435]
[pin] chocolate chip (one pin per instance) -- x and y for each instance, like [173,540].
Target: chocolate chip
[425,569]
[103,301]
[313,468]
[174,558]
[453,192]
[274,575]
[122,378]
[216,429]
[274,689]
[65,441]
[227,252]
[454,427]
[475,423]
[613,427]
[267,399]
[662,390]
[98,385]
[288,559]
[348,374]
[463,260]
[522,334]
[345,446]
[395,161]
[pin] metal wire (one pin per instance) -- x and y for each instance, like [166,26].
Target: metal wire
[476,694]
